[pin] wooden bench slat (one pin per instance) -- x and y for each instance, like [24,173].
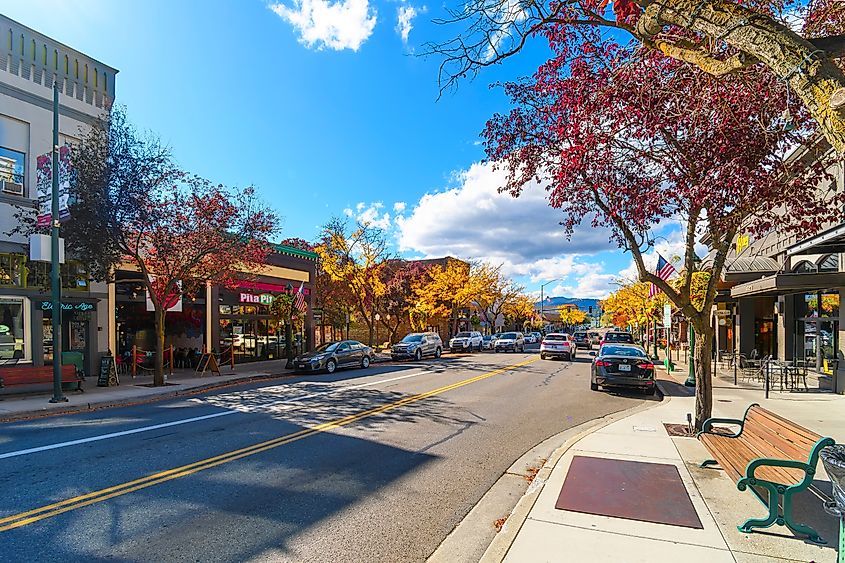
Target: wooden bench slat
[774,421]
[35,375]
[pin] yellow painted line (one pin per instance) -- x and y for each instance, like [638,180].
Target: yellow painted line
[54,509]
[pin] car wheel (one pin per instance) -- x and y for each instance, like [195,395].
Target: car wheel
[650,391]
[594,386]
[438,352]
[418,355]
[365,362]
[542,356]
[569,357]
[495,350]
[331,365]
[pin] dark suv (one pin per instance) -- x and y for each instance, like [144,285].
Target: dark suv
[417,345]
[618,337]
[582,340]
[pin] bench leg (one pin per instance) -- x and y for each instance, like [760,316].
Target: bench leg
[707,462]
[797,527]
[772,505]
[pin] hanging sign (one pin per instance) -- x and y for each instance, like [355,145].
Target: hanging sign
[173,302]
[44,182]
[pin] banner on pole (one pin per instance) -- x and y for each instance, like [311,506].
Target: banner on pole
[667,316]
[44,184]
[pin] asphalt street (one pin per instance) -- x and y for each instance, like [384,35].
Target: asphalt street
[362,465]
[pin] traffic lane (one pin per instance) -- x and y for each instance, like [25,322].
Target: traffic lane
[429,407]
[57,475]
[18,436]
[405,484]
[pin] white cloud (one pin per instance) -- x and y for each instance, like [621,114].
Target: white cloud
[399,206]
[348,212]
[474,220]
[404,15]
[345,24]
[371,214]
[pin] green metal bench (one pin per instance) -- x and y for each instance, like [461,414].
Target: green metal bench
[768,453]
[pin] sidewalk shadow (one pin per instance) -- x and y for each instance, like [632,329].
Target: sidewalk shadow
[672,388]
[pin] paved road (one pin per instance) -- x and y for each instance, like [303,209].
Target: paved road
[365,465]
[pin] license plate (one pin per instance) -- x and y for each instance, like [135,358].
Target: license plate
[624,367]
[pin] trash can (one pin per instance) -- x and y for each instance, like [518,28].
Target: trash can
[833,458]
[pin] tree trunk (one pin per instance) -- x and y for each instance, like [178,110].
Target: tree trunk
[703,375]
[811,75]
[158,376]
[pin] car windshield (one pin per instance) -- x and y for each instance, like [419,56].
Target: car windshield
[488,337]
[581,334]
[413,338]
[462,335]
[629,351]
[328,347]
[555,337]
[510,335]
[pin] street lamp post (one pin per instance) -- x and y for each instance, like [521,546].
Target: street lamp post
[55,279]
[542,303]
[378,318]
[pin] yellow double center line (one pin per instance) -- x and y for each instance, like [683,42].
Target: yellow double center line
[50,510]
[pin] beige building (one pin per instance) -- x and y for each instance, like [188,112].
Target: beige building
[30,62]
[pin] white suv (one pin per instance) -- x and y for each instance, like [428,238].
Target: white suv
[467,341]
[557,345]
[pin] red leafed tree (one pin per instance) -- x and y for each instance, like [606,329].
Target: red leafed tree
[799,42]
[131,204]
[399,277]
[637,141]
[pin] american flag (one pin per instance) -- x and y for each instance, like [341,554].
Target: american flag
[664,271]
[299,299]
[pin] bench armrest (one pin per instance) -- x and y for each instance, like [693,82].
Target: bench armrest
[752,466]
[708,425]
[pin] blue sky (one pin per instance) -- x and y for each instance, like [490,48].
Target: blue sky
[327,110]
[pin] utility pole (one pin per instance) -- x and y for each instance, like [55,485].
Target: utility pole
[55,273]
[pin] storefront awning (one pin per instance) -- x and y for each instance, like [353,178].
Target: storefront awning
[745,268]
[827,242]
[781,284]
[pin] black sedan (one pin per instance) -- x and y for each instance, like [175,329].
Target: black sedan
[333,355]
[622,365]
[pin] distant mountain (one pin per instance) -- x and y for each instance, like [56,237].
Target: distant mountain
[583,304]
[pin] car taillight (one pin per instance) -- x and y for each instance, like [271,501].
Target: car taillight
[602,364]
[646,365]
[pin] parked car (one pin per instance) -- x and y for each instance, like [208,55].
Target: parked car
[333,355]
[595,338]
[622,365]
[558,345]
[488,341]
[537,336]
[582,340]
[417,345]
[617,336]
[530,338]
[510,341]
[467,341]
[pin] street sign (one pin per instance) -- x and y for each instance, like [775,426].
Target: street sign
[722,313]
[667,316]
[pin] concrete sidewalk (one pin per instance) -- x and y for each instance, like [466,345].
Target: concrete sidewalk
[537,531]
[17,406]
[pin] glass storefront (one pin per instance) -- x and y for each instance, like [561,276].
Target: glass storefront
[248,328]
[76,323]
[817,330]
[13,337]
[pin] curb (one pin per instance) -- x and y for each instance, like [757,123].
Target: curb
[502,542]
[132,401]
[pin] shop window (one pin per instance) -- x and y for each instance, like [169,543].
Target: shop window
[74,275]
[12,270]
[804,267]
[12,171]
[12,333]
[829,263]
